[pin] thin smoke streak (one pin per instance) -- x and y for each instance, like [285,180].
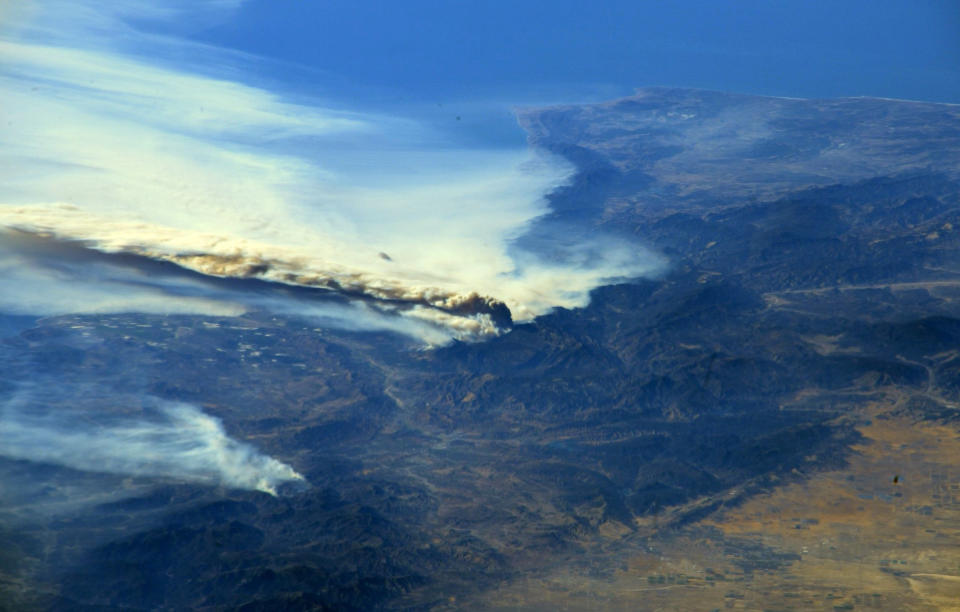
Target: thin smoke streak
[181,442]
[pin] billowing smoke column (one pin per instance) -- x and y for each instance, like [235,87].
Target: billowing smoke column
[179,442]
[147,157]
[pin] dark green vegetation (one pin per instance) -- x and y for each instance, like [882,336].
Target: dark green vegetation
[814,253]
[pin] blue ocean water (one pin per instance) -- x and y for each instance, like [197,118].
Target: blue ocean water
[462,65]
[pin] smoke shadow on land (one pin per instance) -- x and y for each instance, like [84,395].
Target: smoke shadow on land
[44,276]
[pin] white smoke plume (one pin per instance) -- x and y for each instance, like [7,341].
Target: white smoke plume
[192,165]
[179,442]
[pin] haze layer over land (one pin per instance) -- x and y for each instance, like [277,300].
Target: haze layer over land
[262,348]
[770,423]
